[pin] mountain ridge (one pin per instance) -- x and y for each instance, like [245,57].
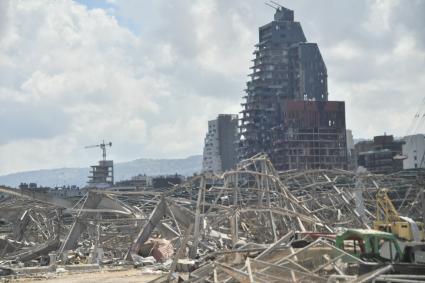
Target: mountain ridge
[122,170]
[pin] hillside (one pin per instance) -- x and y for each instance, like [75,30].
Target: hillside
[124,170]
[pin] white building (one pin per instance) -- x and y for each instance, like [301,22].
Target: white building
[351,156]
[211,157]
[413,151]
[350,142]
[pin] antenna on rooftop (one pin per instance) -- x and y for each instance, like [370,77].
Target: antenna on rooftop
[277,4]
[103,146]
[270,5]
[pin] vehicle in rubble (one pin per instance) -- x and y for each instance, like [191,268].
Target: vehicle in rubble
[379,246]
[389,220]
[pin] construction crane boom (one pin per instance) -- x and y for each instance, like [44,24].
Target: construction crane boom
[103,146]
[389,220]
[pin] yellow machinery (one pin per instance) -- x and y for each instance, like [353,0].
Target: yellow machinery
[388,220]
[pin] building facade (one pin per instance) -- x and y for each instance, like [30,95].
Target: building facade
[211,156]
[102,175]
[290,72]
[350,142]
[414,151]
[383,155]
[310,135]
[351,159]
[220,149]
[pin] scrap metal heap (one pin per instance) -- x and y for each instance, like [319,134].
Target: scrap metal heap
[252,224]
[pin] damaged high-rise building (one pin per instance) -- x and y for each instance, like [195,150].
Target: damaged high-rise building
[286,112]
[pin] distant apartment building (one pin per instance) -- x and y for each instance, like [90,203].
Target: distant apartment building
[139,181]
[220,149]
[211,156]
[414,151]
[62,192]
[383,155]
[167,181]
[143,182]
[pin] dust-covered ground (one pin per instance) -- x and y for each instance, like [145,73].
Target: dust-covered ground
[105,276]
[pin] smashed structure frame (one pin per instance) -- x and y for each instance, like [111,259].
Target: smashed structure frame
[232,227]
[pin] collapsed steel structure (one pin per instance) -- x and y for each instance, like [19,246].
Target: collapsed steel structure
[245,225]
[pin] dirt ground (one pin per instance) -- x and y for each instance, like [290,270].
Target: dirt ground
[121,276]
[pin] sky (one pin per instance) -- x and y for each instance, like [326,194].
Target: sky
[148,75]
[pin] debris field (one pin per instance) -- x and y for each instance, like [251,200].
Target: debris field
[252,224]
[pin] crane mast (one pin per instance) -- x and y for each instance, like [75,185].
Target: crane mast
[389,220]
[102,146]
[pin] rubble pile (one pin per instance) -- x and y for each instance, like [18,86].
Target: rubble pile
[251,224]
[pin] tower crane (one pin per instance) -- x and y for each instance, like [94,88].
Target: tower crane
[103,146]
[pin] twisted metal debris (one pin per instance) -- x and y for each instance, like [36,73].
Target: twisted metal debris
[243,226]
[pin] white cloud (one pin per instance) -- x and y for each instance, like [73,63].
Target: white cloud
[345,50]
[151,80]
[74,67]
[79,77]
[380,15]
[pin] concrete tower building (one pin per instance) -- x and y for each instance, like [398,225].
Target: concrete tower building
[414,151]
[286,112]
[220,150]
[211,156]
